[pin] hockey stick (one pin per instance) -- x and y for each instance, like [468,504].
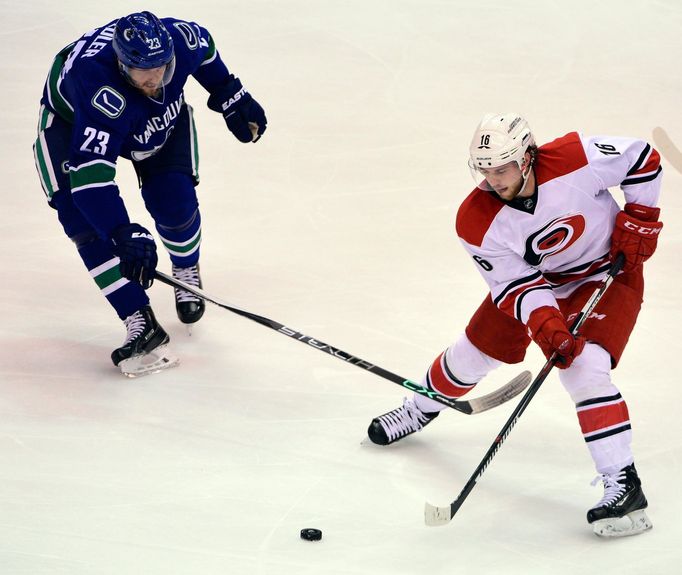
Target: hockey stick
[472,406]
[434,516]
[668,148]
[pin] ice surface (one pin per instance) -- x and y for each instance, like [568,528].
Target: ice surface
[338,223]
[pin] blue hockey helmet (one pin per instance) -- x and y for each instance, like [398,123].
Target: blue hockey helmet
[142,41]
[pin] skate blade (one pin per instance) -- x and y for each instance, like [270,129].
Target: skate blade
[631,524]
[157,360]
[366,441]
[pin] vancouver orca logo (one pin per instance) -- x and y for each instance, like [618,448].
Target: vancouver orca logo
[555,237]
[109,102]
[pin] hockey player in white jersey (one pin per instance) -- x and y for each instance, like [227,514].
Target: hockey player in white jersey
[542,228]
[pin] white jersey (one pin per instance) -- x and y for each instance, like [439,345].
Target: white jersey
[533,250]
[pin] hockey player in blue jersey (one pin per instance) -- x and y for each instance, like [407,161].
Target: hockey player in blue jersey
[117,92]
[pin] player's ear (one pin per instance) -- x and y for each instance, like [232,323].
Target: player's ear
[527,161]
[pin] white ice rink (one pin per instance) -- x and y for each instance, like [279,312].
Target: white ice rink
[338,223]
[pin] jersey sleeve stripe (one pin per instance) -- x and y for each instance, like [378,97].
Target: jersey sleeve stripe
[45,119]
[593,268]
[75,189]
[648,161]
[646,168]
[57,100]
[512,285]
[92,174]
[211,53]
[583,267]
[641,179]
[518,310]
[640,161]
[511,303]
[41,154]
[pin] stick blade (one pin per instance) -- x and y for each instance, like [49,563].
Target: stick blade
[436,516]
[502,395]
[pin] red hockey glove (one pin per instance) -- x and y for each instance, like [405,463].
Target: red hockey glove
[549,330]
[635,234]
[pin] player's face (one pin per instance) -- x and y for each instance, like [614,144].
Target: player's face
[148,81]
[505,180]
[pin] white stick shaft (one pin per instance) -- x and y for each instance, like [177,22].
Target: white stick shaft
[667,147]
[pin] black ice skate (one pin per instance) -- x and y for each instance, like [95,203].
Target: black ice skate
[189,307]
[621,511]
[145,349]
[401,422]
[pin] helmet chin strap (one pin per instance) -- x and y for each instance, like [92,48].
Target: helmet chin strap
[525,175]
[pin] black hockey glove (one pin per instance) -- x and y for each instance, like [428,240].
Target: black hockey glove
[244,116]
[135,247]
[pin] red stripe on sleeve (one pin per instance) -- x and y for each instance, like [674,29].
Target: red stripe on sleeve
[508,304]
[651,164]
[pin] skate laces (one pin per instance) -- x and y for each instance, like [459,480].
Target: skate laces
[404,420]
[190,276]
[612,489]
[135,325]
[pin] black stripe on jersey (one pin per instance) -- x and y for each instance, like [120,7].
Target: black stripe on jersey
[566,279]
[608,433]
[601,269]
[640,161]
[578,273]
[642,179]
[452,377]
[514,284]
[583,267]
[519,300]
[596,400]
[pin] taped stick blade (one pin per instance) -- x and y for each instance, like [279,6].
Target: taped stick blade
[436,516]
[503,394]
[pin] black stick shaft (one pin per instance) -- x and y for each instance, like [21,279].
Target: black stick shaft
[461,406]
[534,387]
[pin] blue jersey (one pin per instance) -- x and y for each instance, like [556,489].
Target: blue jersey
[113,119]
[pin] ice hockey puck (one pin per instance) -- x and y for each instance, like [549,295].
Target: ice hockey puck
[311,534]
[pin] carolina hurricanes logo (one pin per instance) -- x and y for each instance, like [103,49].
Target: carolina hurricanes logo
[557,236]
